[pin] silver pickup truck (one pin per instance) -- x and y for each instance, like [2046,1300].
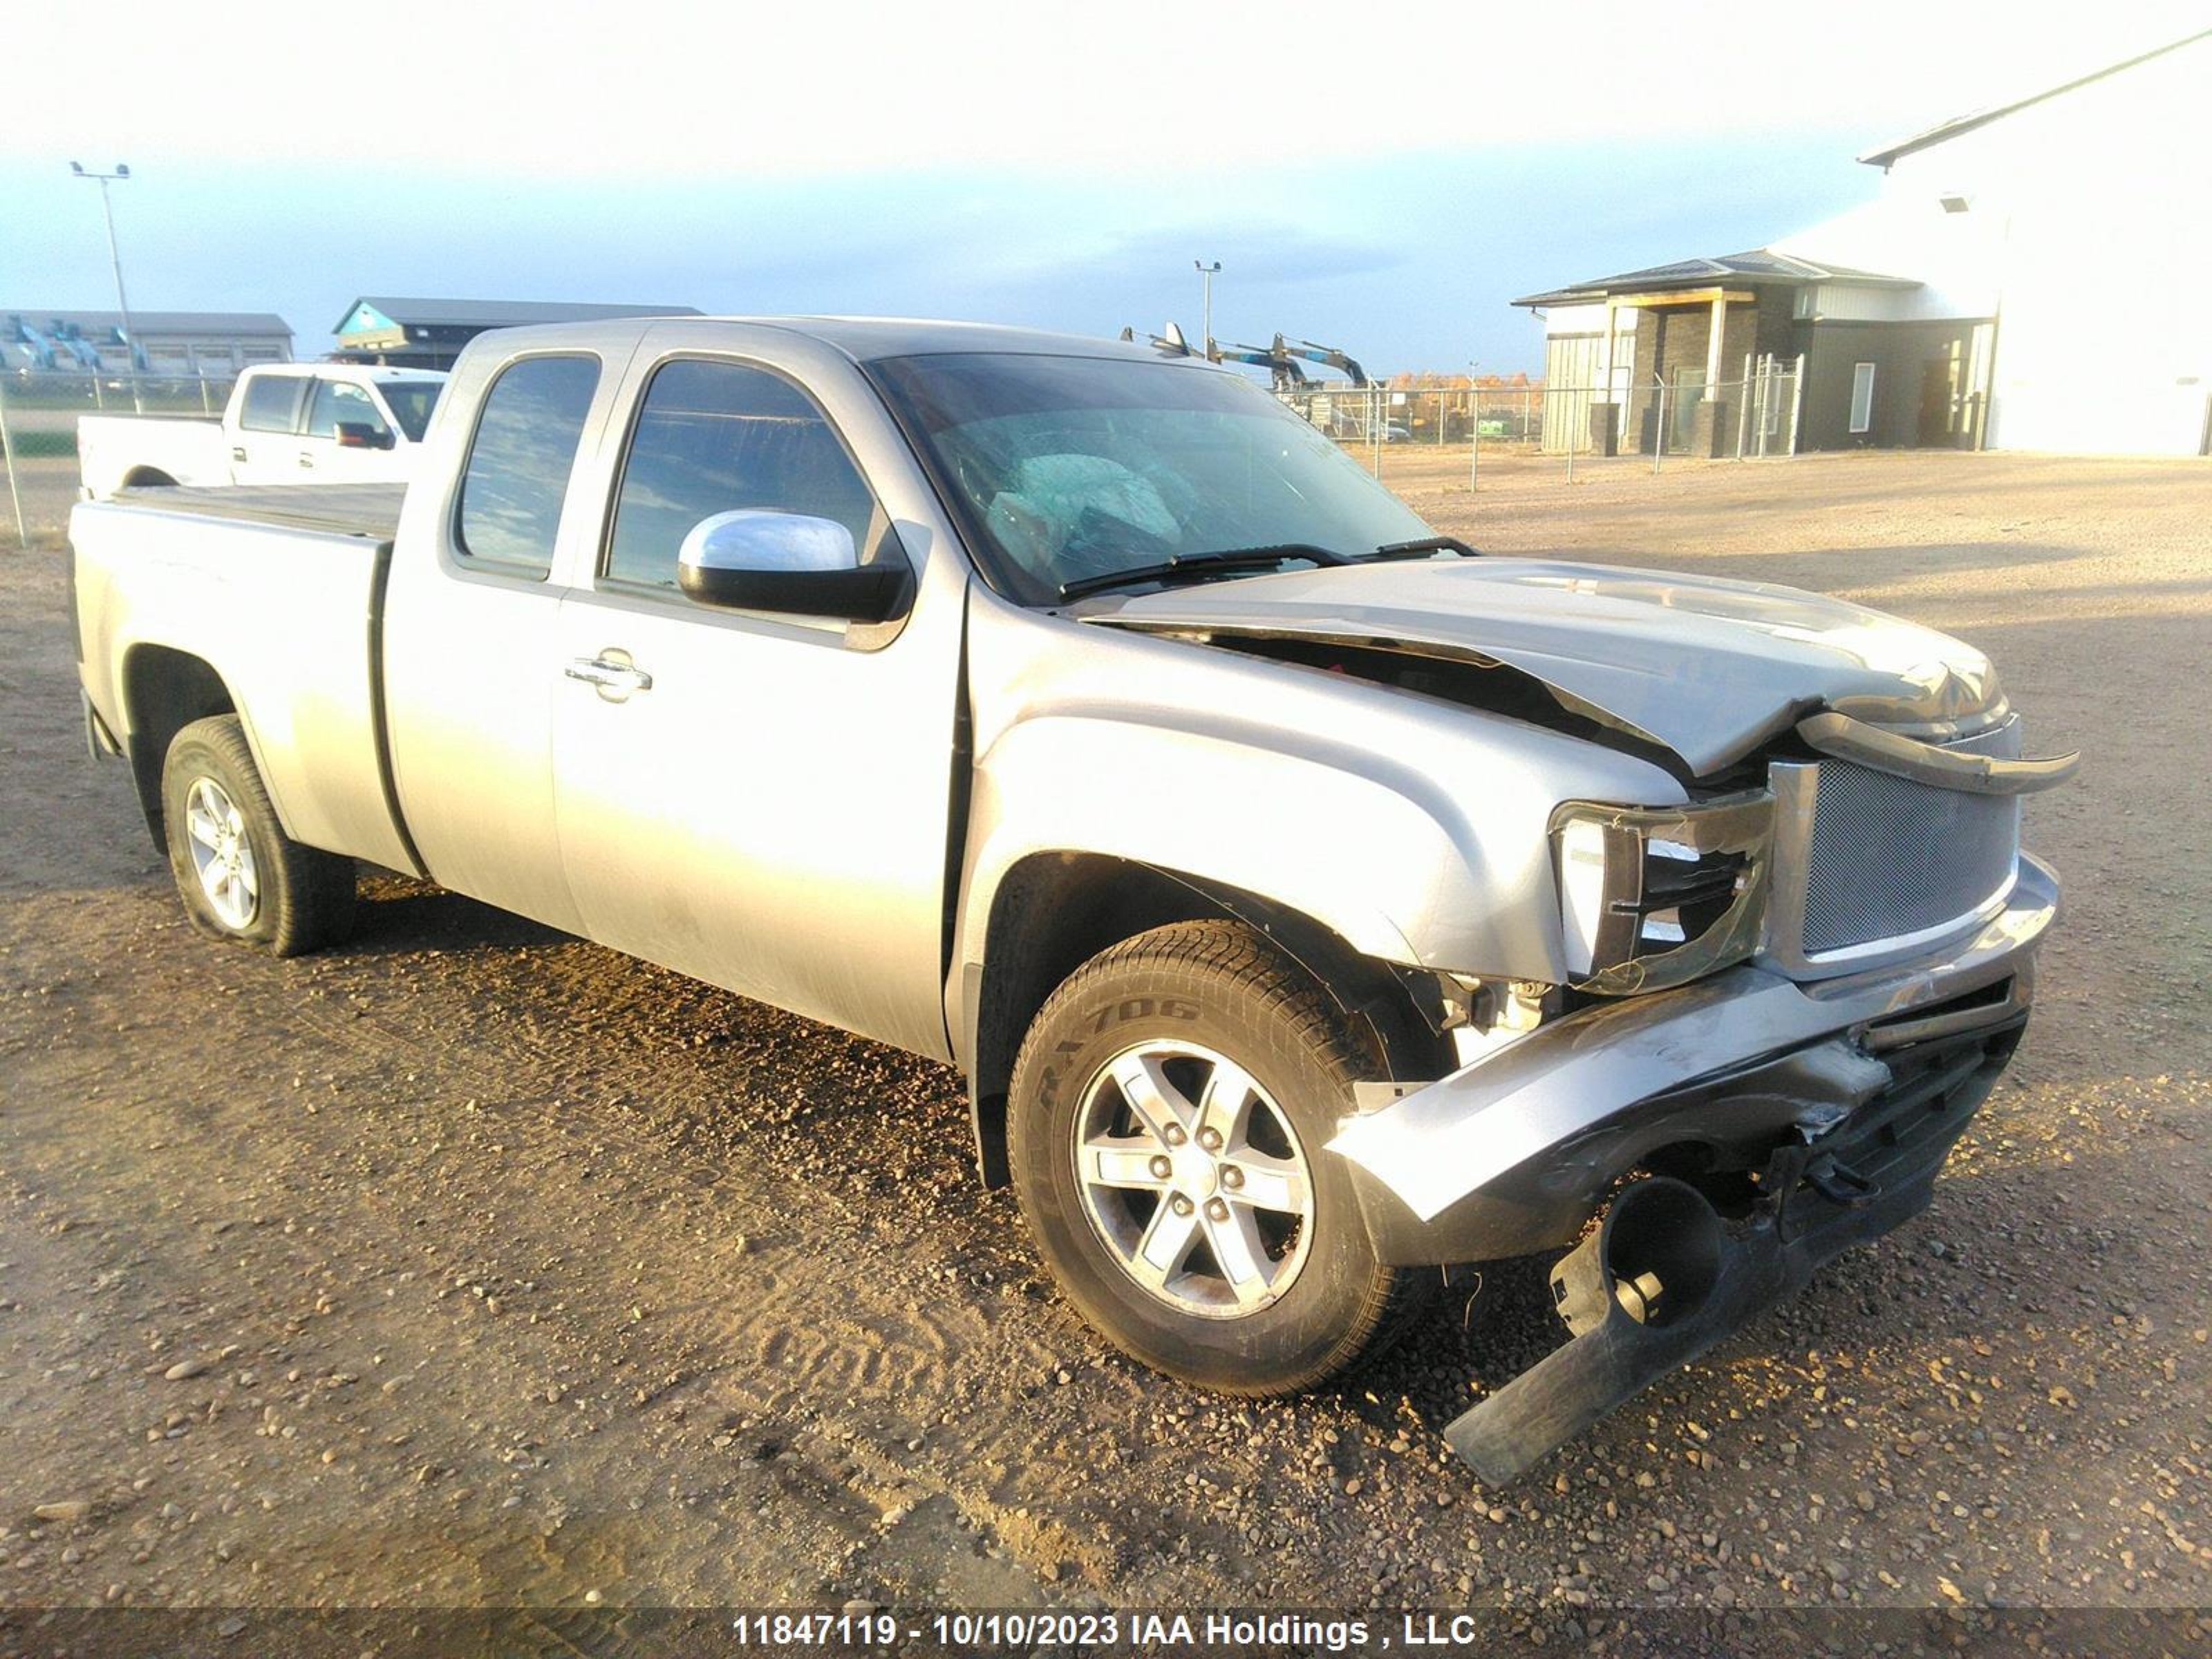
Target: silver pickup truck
[1309,900]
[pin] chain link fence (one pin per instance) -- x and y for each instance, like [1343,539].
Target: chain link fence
[1427,426]
[1752,416]
[39,413]
[1441,416]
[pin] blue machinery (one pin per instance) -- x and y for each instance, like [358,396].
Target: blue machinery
[62,344]
[1282,358]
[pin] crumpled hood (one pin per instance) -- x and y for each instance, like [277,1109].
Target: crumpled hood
[1706,667]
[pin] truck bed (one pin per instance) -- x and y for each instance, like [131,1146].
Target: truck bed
[370,510]
[279,590]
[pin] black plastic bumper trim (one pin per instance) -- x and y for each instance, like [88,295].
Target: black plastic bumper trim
[1570,1389]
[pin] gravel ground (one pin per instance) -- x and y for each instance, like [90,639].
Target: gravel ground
[476,1265]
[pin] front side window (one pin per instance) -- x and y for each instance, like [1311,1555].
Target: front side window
[519,465]
[341,400]
[411,402]
[1078,467]
[272,403]
[712,437]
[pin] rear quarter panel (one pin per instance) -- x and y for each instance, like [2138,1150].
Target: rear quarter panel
[110,447]
[283,617]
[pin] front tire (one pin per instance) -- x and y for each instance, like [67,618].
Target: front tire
[242,878]
[1168,1121]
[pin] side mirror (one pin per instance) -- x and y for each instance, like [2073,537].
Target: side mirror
[752,560]
[361,434]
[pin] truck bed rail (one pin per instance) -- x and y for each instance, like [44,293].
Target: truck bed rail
[370,510]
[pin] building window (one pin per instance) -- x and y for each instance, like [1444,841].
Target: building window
[1861,397]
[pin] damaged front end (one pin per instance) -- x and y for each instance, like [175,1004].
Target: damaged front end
[1786,1003]
[1784,1120]
[1675,1265]
[1775,1004]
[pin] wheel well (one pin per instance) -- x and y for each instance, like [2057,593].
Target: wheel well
[147,478]
[1054,911]
[164,690]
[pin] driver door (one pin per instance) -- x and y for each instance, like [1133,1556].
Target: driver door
[322,457]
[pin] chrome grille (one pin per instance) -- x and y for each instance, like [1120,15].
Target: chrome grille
[1876,859]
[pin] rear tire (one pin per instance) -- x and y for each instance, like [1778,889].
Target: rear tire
[242,878]
[1193,1215]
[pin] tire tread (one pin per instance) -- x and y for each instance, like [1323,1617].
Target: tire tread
[311,901]
[1201,955]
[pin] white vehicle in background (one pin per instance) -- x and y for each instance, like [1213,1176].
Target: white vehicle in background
[285,423]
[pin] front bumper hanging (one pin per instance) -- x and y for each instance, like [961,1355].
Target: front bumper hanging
[1511,1155]
[1665,1277]
[1841,1099]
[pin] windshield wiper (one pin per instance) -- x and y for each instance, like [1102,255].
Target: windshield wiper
[1424,547]
[1195,567]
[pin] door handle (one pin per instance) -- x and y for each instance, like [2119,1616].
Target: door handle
[307,458]
[609,676]
[237,452]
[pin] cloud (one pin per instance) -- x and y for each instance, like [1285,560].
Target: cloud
[1406,262]
[652,88]
[1032,163]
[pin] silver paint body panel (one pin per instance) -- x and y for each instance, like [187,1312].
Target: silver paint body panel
[1708,668]
[1414,831]
[772,816]
[285,613]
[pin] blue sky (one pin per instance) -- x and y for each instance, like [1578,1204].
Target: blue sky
[1407,262]
[1019,164]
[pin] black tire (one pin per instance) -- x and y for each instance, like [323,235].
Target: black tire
[303,898]
[1218,987]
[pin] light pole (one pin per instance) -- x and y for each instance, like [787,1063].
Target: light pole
[114,255]
[1207,273]
[1474,426]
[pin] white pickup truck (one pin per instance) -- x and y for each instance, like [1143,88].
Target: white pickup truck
[286,423]
[1309,900]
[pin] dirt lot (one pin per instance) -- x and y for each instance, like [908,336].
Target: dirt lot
[491,1267]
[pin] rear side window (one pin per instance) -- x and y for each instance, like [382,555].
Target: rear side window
[519,465]
[270,403]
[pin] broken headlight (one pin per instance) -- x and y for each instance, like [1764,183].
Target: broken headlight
[1654,896]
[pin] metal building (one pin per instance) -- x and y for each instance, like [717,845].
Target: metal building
[1702,357]
[38,339]
[430,333]
[2029,277]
